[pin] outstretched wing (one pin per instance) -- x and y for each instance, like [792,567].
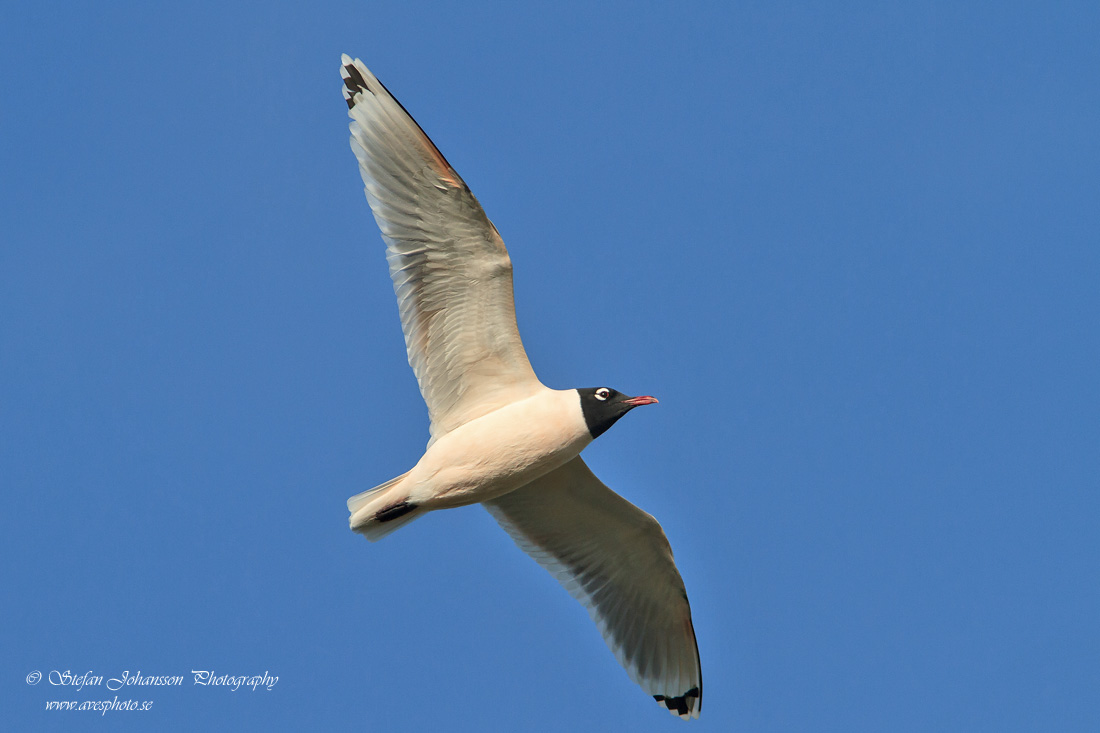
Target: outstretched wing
[450,270]
[614,558]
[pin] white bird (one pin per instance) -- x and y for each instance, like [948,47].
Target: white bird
[498,436]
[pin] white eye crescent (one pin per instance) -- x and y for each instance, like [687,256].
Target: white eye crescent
[603,393]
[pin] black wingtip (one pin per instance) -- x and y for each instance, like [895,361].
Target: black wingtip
[355,83]
[682,705]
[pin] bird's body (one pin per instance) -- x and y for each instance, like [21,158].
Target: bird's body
[489,456]
[499,437]
[501,451]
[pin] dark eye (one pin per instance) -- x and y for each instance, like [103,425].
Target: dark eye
[603,393]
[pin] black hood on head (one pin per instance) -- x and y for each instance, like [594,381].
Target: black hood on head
[602,406]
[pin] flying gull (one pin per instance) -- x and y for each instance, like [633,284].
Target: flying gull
[498,436]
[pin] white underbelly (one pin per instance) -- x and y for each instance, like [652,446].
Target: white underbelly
[500,452]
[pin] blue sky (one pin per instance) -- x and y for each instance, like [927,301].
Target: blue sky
[854,250]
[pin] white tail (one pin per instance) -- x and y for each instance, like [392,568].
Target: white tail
[379,511]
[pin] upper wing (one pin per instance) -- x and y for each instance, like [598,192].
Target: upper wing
[614,558]
[450,269]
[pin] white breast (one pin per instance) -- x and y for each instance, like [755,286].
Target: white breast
[501,451]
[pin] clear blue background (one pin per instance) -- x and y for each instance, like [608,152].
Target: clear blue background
[854,250]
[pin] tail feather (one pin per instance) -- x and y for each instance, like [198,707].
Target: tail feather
[377,512]
[357,502]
